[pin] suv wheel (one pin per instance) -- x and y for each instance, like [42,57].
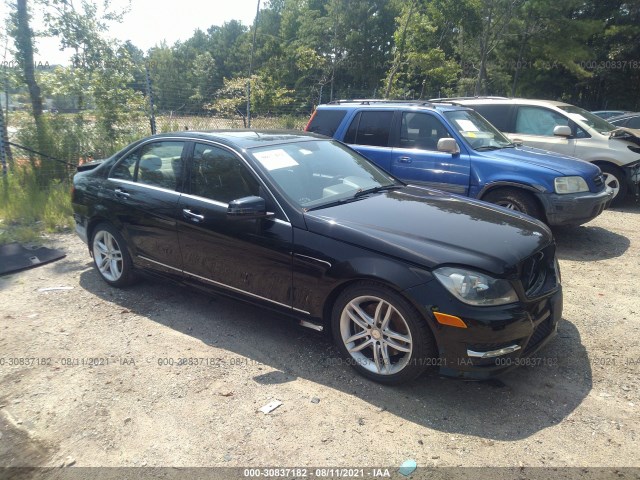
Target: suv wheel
[517,200]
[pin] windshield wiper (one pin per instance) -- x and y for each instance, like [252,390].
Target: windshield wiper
[486,148]
[357,195]
[330,204]
[380,188]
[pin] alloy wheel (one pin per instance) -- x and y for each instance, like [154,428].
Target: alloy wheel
[108,256]
[376,335]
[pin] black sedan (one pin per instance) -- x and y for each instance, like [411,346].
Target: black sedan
[404,277]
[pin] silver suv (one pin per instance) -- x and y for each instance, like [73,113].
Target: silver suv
[569,130]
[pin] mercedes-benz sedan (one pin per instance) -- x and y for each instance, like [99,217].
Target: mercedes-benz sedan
[404,277]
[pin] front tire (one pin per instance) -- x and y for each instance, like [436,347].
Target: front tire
[517,200]
[381,335]
[111,256]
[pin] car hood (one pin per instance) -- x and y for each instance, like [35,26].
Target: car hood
[629,134]
[562,164]
[431,228]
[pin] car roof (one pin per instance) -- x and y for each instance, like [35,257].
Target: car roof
[623,117]
[244,138]
[514,101]
[609,111]
[390,104]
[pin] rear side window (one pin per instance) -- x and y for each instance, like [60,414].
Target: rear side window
[370,128]
[158,164]
[498,115]
[326,122]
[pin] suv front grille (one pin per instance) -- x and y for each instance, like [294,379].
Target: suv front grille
[538,273]
[599,180]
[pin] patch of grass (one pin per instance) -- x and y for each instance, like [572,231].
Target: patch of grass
[27,210]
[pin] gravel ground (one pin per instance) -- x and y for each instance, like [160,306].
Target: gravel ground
[578,407]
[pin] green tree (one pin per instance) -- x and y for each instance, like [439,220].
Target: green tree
[266,96]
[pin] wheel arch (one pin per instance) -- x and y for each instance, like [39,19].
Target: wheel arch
[97,220]
[609,163]
[529,190]
[490,187]
[91,227]
[331,298]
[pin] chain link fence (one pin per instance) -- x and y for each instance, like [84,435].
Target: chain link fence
[79,129]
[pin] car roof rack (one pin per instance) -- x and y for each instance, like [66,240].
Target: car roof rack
[455,99]
[369,101]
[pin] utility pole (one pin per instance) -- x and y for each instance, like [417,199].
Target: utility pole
[3,145]
[253,46]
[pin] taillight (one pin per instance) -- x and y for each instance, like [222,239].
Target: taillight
[306,129]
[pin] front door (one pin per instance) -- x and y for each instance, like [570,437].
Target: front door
[246,256]
[416,158]
[534,128]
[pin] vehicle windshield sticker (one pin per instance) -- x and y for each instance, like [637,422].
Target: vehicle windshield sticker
[467,125]
[274,159]
[304,151]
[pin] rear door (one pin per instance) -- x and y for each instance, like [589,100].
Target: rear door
[141,194]
[369,133]
[416,159]
[247,256]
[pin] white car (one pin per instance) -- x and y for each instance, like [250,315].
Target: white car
[569,130]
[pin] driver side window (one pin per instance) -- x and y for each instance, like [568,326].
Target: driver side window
[217,174]
[421,130]
[538,121]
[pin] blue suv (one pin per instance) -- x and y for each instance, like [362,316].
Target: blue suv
[455,149]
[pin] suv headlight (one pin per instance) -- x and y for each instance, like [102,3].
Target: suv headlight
[570,185]
[476,288]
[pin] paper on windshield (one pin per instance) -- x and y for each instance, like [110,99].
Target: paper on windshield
[466,125]
[274,159]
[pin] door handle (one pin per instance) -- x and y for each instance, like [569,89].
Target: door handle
[192,216]
[121,193]
[405,160]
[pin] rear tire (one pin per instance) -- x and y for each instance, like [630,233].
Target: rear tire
[381,335]
[111,256]
[514,199]
[614,178]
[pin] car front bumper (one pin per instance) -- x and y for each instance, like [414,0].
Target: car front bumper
[575,209]
[510,335]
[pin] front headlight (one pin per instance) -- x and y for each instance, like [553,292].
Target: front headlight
[476,288]
[570,185]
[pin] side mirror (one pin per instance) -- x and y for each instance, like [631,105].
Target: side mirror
[448,145]
[562,131]
[248,208]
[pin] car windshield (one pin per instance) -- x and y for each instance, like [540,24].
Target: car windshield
[578,114]
[318,173]
[478,132]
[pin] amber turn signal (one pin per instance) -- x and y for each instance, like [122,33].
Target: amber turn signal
[450,320]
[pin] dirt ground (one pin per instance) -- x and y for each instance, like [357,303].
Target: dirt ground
[99,383]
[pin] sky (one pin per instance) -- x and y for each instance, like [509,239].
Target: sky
[149,22]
